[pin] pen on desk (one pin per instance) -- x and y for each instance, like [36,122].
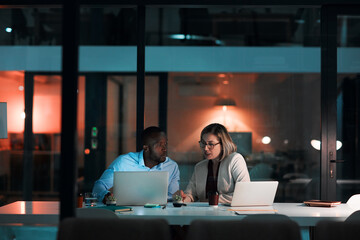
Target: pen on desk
[253,210]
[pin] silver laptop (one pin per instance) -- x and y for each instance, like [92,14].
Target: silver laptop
[139,188]
[257,193]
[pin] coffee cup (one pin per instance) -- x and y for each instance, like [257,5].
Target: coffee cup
[213,199]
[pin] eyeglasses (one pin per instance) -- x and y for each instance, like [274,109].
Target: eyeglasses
[210,145]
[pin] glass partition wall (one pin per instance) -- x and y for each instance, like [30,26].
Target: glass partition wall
[272,124]
[266,60]
[348,105]
[12,148]
[108,61]
[30,40]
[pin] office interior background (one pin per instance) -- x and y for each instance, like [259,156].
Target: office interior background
[255,69]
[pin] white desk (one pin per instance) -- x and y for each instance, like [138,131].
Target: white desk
[34,212]
[48,213]
[303,215]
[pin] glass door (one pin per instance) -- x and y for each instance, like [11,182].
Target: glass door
[340,170]
[348,104]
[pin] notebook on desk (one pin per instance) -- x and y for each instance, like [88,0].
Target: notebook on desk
[258,193]
[139,188]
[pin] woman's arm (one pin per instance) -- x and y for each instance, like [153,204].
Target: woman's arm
[239,173]
[190,190]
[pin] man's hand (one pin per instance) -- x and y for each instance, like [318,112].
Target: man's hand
[106,196]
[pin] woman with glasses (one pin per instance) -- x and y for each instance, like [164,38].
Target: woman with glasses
[219,171]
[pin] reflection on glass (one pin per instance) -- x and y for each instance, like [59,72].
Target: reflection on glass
[151,101]
[108,26]
[233,26]
[266,140]
[11,149]
[121,112]
[348,90]
[31,26]
[47,129]
[272,124]
[317,144]
[347,172]
[122,100]
[348,35]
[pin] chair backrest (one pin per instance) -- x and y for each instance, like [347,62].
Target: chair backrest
[331,230]
[355,216]
[354,202]
[107,228]
[95,213]
[253,227]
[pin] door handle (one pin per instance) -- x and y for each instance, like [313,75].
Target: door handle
[337,161]
[332,160]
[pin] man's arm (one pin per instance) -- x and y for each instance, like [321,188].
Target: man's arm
[102,186]
[174,182]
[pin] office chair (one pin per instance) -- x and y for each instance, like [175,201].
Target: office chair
[349,229]
[354,202]
[252,227]
[332,230]
[355,216]
[108,228]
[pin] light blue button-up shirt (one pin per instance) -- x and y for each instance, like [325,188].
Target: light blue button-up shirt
[135,162]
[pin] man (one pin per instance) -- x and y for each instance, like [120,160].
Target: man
[153,157]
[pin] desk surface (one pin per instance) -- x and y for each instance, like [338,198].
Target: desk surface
[30,212]
[38,212]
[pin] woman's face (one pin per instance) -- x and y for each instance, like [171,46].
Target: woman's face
[211,146]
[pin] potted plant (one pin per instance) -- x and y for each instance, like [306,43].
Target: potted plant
[110,200]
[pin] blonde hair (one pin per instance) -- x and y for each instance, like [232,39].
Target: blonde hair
[227,144]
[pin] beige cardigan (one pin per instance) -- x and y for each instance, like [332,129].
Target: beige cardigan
[232,169]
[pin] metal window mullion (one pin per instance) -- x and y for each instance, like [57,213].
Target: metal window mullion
[70,56]
[328,100]
[140,84]
[163,100]
[28,158]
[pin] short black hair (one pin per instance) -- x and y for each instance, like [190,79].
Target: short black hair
[149,133]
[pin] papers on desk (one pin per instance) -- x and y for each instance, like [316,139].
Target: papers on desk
[116,208]
[198,204]
[253,210]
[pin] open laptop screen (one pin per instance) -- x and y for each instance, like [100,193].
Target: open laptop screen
[139,188]
[257,193]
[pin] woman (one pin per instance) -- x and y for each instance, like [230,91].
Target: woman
[219,171]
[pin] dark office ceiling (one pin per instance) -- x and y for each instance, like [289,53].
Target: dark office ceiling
[214,26]
[179,2]
[176,26]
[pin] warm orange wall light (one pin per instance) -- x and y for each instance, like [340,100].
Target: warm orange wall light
[47,103]
[16,113]
[225,102]
[47,114]
[10,92]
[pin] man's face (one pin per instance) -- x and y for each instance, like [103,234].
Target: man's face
[158,148]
